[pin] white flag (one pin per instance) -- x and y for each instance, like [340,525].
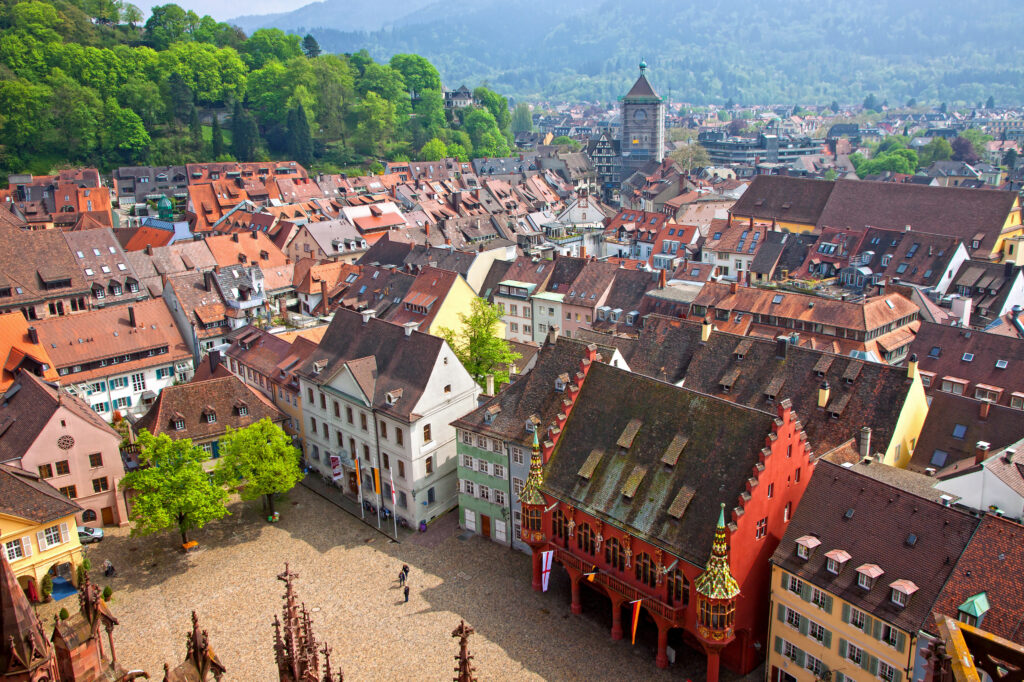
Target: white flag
[545,566]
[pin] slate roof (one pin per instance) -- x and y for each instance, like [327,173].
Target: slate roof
[723,447]
[784,198]
[670,350]
[25,411]
[992,563]
[877,532]
[530,394]
[641,89]
[952,211]
[566,270]
[402,362]
[193,401]
[941,350]
[988,285]
[947,412]
[24,495]
[592,282]
[495,275]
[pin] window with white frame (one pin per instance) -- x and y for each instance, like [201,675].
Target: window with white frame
[467,461]
[467,438]
[482,466]
[803,552]
[789,650]
[517,485]
[517,455]
[796,585]
[898,598]
[816,631]
[499,496]
[485,493]
[498,470]
[53,535]
[16,549]
[138,382]
[857,618]
[886,672]
[890,635]
[815,666]
[818,598]
[481,442]
[793,618]
[468,487]
[854,653]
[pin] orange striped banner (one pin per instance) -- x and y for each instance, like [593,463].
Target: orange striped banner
[636,617]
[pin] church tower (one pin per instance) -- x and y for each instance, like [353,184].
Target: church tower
[643,125]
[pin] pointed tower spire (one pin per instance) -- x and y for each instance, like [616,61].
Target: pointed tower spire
[465,668]
[716,582]
[24,646]
[531,490]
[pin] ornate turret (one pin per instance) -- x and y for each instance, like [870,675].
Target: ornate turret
[717,591]
[25,652]
[295,646]
[200,660]
[531,489]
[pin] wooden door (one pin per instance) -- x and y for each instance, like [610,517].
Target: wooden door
[485,526]
[107,514]
[353,484]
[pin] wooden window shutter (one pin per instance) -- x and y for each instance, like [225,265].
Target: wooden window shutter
[842,648]
[778,645]
[782,612]
[874,665]
[26,546]
[827,642]
[785,580]
[878,630]
[901,641]
[898,677]
[868,623]
[64,537]
[805,592]
[803,625]
[828,604]
[846,612]
[41,539]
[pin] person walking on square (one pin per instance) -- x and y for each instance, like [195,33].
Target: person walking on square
[401,578]
[406,593]
[405,570]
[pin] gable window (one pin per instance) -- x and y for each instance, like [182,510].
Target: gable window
[898,598]
[179,424]
[211,417]
[242,410]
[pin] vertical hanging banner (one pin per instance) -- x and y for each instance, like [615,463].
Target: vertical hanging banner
[545,567]
[336,472]
[376,481]
[636,617]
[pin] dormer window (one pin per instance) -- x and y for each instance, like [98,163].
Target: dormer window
[179,424]
[900,591]
[211,417]
[242,409]
[805,546]
[835,560]
[561,381]
[973,610]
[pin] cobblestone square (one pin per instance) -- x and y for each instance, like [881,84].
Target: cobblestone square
[348,578]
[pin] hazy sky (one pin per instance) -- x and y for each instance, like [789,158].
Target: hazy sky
[222,10]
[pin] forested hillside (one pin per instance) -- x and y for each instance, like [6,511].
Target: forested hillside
[752,51]
[94,82]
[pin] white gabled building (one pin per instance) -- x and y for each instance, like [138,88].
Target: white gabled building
[387,395]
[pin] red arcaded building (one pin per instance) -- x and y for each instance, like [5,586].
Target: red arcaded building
[672,497]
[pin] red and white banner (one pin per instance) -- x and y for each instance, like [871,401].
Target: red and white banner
[545,567]
[336,471]
[391,478]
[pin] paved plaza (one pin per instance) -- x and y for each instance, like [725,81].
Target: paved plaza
[348,578]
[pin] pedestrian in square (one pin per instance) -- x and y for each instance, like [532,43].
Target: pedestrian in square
[401,578]
[406,592]
[405,570]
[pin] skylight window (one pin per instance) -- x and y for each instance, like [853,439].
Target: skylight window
[959,431]
[122,267]
[889,303]
[718,235]
[939,458]
[934,352]
[777,298]
[968,357]
[1001,364]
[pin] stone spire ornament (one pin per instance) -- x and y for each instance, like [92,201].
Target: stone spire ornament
[464,670]
[531,490]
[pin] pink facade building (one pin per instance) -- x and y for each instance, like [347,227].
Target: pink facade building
[47,431]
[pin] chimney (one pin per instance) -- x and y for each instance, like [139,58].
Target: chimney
[983,410]
[234,237]
[981,451]
[705,331]
[961,308]
[255,234]
[865,441]
[583,252]
[912,366]
[33,335]
[823,393]
[410,327]
[131,316]
[490,384]
[208,280]
[214,356]
[661,279]
[367,314]
[323,294]
[734,287]
[781,347]
[149,249]
[552,337]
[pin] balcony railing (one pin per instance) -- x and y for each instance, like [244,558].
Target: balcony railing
[625,590]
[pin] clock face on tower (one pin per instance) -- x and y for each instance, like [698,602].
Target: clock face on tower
[640,115]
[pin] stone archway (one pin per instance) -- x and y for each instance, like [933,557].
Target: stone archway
[29,587]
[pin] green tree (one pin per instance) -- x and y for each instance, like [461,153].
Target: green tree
[522,119]
[433,150]
[180,102]
[938,149]
[267,44]
[300,141]
[723,115]
[417,73]
[871,103]
[130,14]
[195,129]
[458,152]
[1010,159]
[990,103]
[73,109]
[690,156]
[895,161]
[166,25]
[978,140]
[834,107]
[123,133]
[479,345]
[565,140]
[310,47]
[171,488]
[244,134]
[485,134]
[376,123]
[216,138]
[496,104]
[831,174]
[259,460]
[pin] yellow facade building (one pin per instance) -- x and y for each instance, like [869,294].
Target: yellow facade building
[38,533]
[857,575]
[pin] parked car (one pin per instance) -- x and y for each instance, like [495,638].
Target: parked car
[87,534]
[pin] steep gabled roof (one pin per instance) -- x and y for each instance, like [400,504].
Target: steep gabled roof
[783,198]
[24,495]
[908,537]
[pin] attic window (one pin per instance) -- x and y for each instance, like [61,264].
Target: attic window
[967,357]
[211,417]
[681,502]
[777,299]
[867,574]
[835,560]
[1001,364]
[959,431]
[805,545]
[629,433]
[934,352]
[674,449]
[911,540]
[561,381]
[974,609]
[242,409]
[179,424]
[901,591]
[848,514]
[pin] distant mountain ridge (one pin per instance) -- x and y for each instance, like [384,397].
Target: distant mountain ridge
[809,51]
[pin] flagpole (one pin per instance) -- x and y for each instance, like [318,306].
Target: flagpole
[359,489]
[394,503]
